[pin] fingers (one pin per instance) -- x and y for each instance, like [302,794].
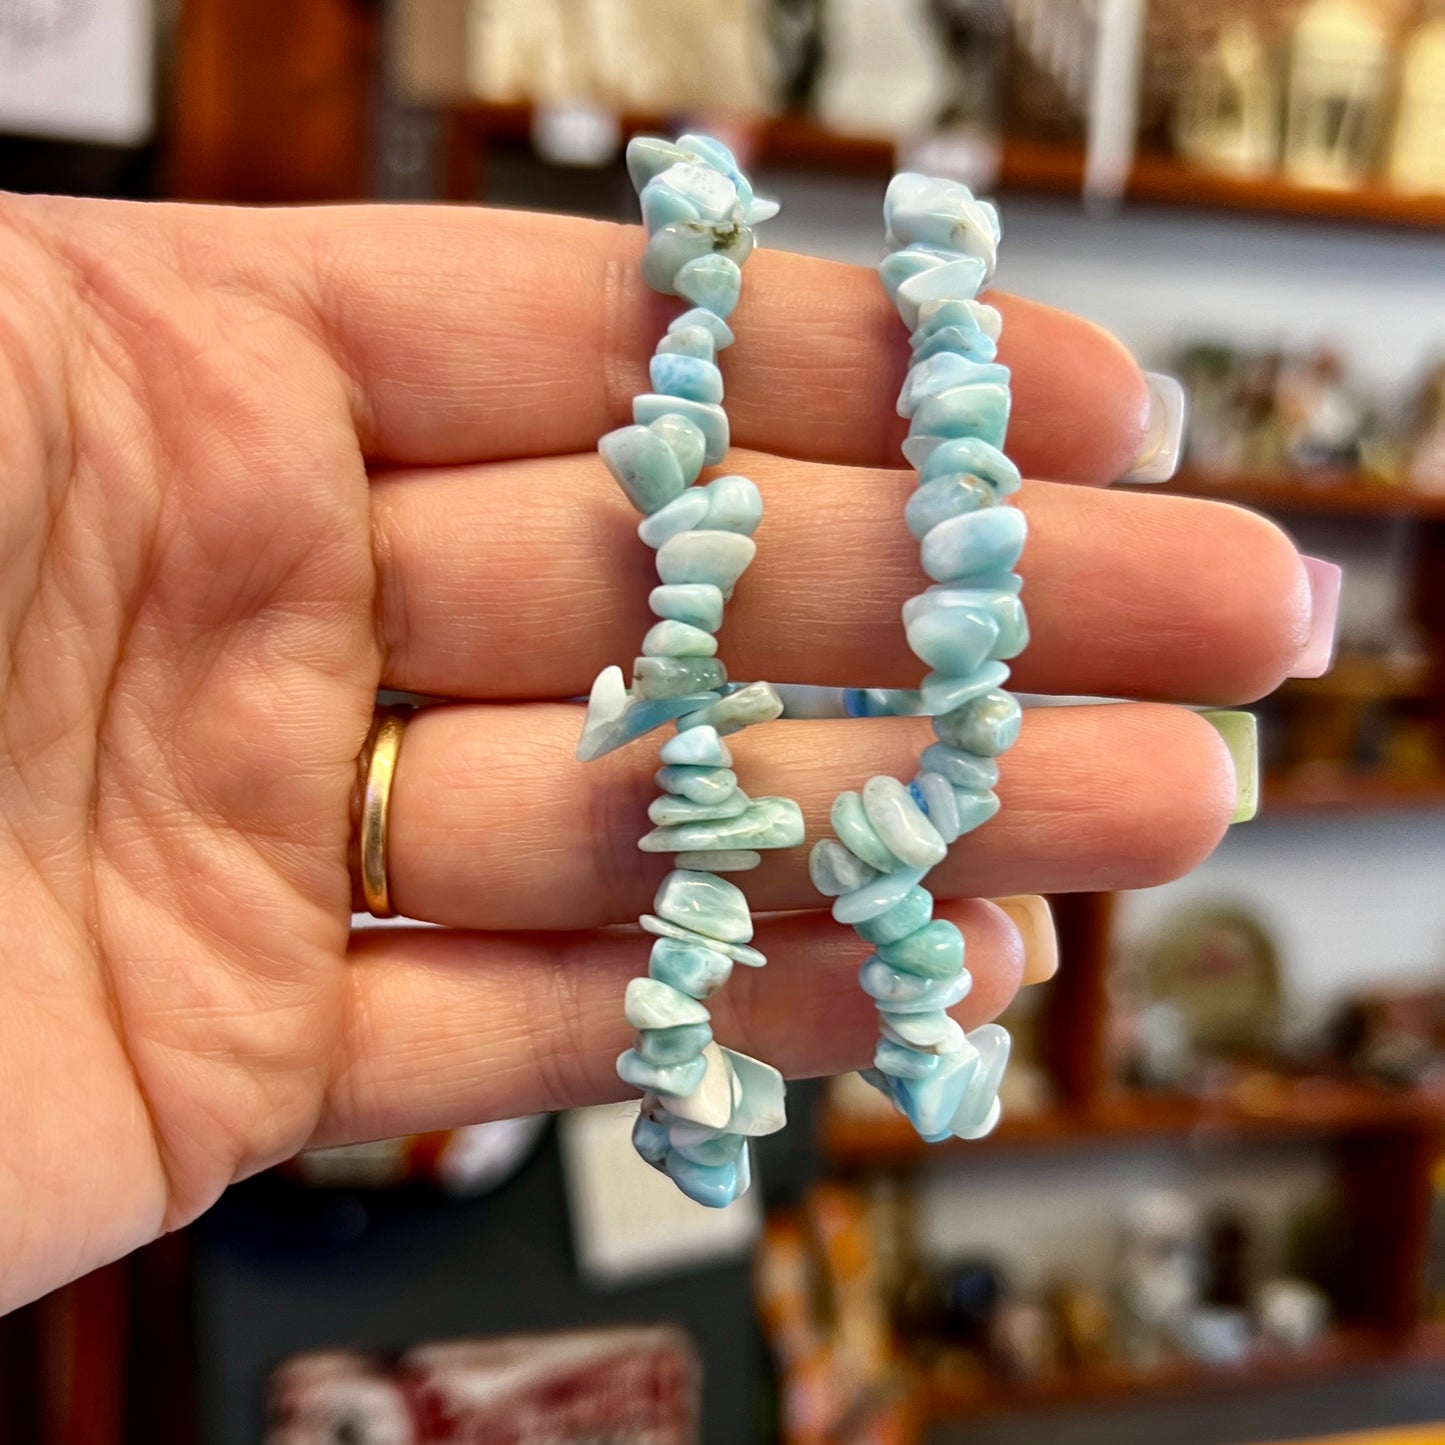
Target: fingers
[524,579]
[447,1029]
[478,334]
[494,826]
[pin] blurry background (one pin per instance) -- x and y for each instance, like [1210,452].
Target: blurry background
[1215,1211]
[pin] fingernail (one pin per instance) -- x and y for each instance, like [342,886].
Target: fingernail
[1034,919]
[1319,651]
[1158,457]
[1241,736]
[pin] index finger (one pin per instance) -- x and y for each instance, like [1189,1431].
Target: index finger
[472,335]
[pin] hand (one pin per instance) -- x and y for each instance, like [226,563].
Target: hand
[258,464]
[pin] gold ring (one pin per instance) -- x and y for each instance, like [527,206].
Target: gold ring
[378,772]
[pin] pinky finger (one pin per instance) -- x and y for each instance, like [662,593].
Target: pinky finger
[448,1028]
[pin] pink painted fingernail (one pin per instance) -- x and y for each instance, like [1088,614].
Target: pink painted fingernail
[1319,651]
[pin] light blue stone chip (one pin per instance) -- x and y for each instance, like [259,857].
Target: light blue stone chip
[963,770]
[695,341]
[979,410]
[668,677]
[675,1045]
[614,719]
[685,439]
[671,248]
[714,1186]
[651,1004]
[903,993]
[644,466]
[943,694]
[677,1079]
[734,504]
[698,603]
[933,951]
[947,608]
[766,823]
[900,823]
[690,968]
[974,808]
[953,641]
[906,916]
[937,500]
[758,702]
[988,725]
[706,904]
[901,1062]
[942,373]
[700,746]
[678,639]
[715,558]
[650,1140]
[858,835]
[686,376]
[967,456]
[681,514]
[738,952]
[877,896]
[713,282]
[974,545]
[710,321]
[669,809]
[700,784]
[932,1102]
[834,870]
[711,420]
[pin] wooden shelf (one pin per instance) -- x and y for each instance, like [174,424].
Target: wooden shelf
[1260,1107]
[1040,167]
[1363,792]
[951,1396]
[1327,492]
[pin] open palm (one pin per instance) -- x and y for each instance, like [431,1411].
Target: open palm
[257,465]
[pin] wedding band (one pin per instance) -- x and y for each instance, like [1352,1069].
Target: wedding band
[383,746]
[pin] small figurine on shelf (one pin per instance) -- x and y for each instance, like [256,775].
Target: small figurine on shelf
[1160,1274]
[1227,116]
[1292,1312]
[1339,92]
[1324,422]
[1425,469]
[1417,151]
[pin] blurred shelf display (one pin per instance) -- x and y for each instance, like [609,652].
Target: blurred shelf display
[1042,167]
[952,1395]
[1261,1106]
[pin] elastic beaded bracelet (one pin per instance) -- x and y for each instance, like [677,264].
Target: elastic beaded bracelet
[942,244]
[702,1102]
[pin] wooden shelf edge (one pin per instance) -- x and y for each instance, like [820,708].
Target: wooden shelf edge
[1343,1349]
[1337,492]
[1038,166]
[1267,1109]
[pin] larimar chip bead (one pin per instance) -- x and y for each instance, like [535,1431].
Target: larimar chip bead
[701,746]
[906,916]
[706,904]
[698,603]
[649,408]
[974,545]
[678,639]
[686,376]
[693,969]
[716,558]
[988,724]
